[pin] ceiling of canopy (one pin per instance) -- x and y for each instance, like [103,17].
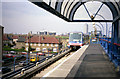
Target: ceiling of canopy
[66,9]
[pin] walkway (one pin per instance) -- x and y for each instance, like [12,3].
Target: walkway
[88,61]
[94,64]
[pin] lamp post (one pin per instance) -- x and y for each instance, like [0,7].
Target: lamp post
[14,63]
[39,39]
[29,40]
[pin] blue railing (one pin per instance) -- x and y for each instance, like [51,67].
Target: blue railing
[112,50]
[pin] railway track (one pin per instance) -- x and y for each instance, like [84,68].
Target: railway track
[42,64]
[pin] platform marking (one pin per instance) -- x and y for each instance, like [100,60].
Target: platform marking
[58,66]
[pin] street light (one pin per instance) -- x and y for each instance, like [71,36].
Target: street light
[29,40]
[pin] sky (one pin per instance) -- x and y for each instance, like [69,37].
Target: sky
[22,16]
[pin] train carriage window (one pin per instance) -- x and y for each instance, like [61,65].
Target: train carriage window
[75,36]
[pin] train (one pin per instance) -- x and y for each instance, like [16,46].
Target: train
[77,39]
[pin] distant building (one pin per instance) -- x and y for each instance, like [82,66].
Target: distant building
[86,29]
[43,43]
[15,38]
[7,41]
[42,33]
[20,43]
[51,33]
[46,33]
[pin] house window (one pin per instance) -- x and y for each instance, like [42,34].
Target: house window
[37,49]
[54,49]
[56,45]
[26,48]
[26,44]
[38,44]
[47,44]
[35,44]
[51,44]
[44,50]
[43,44]
[31,44]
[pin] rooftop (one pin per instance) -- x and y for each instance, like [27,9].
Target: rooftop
[43,39]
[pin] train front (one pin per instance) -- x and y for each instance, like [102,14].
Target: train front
[75,40]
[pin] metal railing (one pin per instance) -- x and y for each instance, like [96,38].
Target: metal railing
[112,50]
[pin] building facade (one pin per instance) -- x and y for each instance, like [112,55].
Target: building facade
[20,43]
[43,43]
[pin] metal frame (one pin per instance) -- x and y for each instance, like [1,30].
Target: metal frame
[109,4]
[50,9]
[65,8]
[117,18]
[87,11]
[92,21]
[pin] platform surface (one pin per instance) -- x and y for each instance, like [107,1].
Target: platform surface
[88,61]
[94,64]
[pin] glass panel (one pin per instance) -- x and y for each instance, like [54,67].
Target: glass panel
[75,37]
[53,3]
[63,6]
[46,1]
[70,8]
[67,7]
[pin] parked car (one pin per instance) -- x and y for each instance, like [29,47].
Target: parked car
[23,63]
[5,70]
[9,55]
[41,54]
[12,52]
[24,53]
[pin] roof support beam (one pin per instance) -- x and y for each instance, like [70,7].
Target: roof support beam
[50,9]
[87,10]
[92,21]
[98,10]
[117,18]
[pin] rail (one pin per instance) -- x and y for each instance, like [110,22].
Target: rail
[112,50]
[41,66]
[32,68]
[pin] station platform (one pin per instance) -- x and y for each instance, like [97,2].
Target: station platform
[95,63]
[88,61]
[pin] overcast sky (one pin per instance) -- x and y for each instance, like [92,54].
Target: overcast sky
[22,17]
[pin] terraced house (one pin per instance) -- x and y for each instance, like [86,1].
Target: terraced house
[43,43]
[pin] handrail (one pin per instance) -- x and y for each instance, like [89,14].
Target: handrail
[116,44]
[110,42]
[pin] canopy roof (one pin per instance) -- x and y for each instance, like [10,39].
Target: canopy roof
[66,9]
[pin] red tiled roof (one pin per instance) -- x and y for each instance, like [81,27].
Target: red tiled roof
[15,37]
[43,39]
